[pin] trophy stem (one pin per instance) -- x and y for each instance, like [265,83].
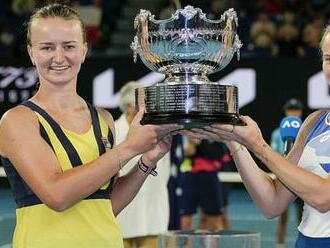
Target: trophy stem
[186,78]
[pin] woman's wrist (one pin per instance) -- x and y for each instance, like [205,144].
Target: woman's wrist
[233,145]
[146,169]
[122,152]
[260,151]
[238,149]
[147,161]
[127,151]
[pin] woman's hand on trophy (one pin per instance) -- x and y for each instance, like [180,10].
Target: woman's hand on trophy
[152,156]
[142,138]
[219,134]
[248,134]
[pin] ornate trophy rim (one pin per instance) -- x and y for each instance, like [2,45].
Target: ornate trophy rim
[152,28]
[189,12]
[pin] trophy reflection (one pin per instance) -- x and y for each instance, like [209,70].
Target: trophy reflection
[186,48]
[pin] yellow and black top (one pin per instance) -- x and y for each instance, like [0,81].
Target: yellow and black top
[90,222]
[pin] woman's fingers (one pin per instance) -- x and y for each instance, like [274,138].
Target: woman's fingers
[247,119]
[138,117]
[208,133]
[165,129]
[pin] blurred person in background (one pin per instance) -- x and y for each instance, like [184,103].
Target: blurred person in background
[262,37]
[23,7]
[287,35]
[216,9]
[292,107]
[91,15]
[7,40]
[148,213]
[201,186]
[169,9]
[311,36]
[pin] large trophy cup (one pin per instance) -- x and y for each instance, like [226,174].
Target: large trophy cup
[187,47]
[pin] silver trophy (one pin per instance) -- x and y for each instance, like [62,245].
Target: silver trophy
[187,47]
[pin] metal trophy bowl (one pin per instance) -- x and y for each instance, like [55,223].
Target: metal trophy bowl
[187,47]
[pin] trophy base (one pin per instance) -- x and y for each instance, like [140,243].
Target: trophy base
[191,105]
[189,121]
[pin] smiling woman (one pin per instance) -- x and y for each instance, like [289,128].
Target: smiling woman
[57,46]
[62,162]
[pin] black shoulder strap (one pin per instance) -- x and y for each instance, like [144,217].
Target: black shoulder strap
[44,135]
[67,145]
[99,138]
[96,128]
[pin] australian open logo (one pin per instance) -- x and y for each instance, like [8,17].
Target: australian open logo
[17,83]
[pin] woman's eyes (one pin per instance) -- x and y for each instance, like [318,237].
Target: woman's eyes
[69,47]
[50,48]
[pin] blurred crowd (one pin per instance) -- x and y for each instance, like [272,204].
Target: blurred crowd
[267,28]
[99,17]
[274,28]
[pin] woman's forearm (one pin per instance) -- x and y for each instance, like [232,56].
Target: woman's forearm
[312,188]
[262,188]
[126,188]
